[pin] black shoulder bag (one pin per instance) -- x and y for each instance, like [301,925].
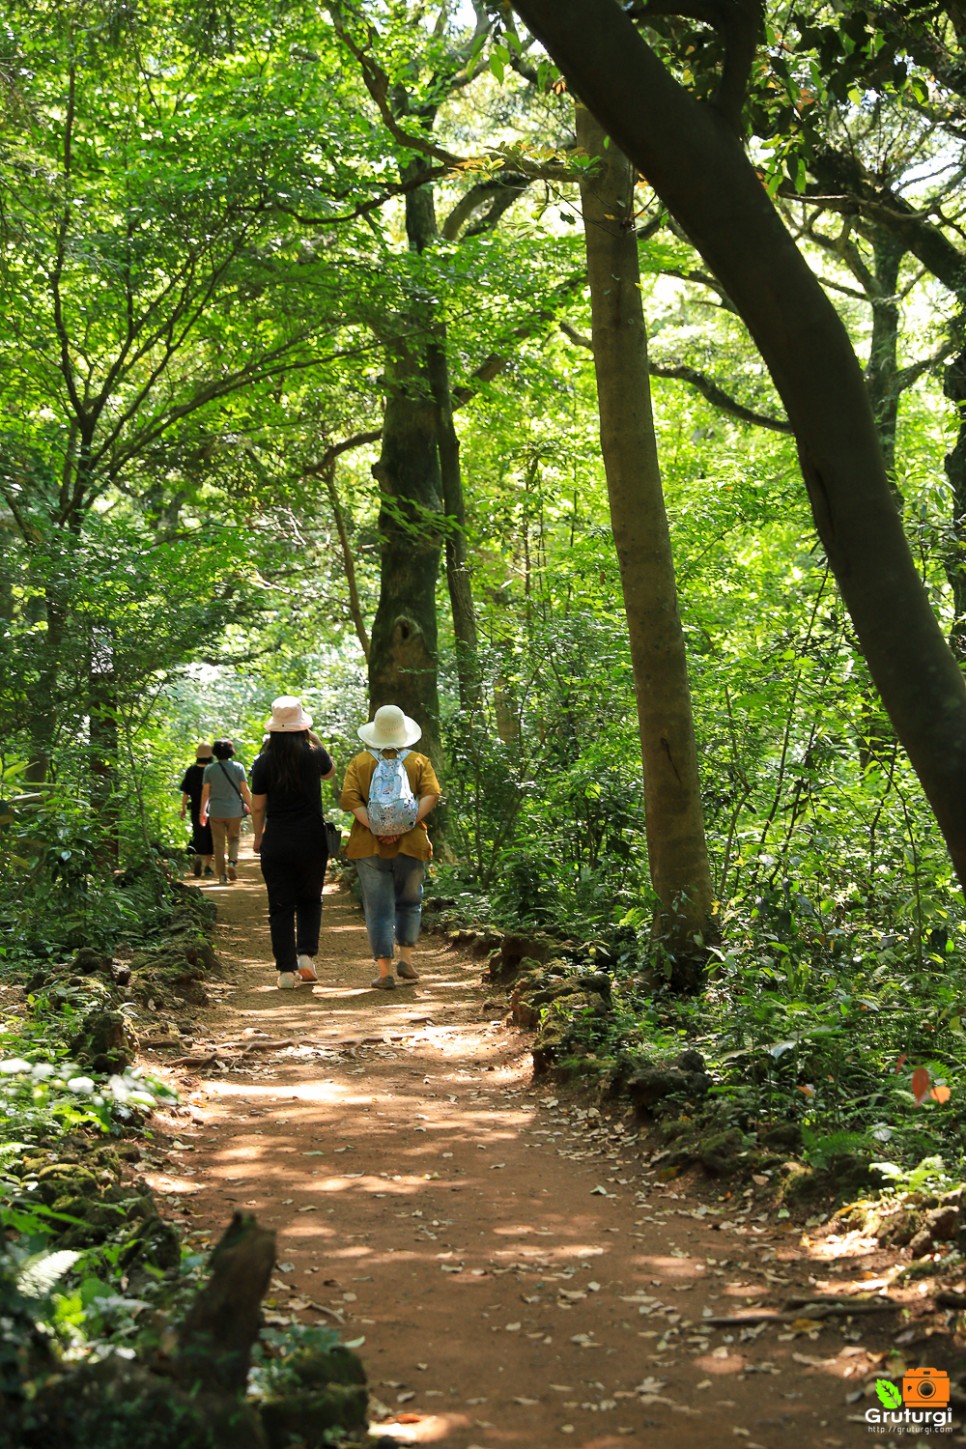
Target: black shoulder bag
[245,809]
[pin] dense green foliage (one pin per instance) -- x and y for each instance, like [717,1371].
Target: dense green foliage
[208,283]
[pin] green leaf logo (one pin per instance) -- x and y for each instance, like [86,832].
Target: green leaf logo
[889,1396]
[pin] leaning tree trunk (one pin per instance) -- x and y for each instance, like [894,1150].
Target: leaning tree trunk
[691,155]
[676,846]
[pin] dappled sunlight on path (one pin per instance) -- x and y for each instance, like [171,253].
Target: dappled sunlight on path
[517,1275]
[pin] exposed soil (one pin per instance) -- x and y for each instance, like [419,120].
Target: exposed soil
[518,1273]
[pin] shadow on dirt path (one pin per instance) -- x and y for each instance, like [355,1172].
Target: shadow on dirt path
[519,1275]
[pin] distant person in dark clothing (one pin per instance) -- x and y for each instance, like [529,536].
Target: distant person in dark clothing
[201,848]
[225,801]
[290,837]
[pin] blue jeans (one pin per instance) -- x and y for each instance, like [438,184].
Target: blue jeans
[392,899]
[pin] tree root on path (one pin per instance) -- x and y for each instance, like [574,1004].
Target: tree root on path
[219,1054]
[799,1308]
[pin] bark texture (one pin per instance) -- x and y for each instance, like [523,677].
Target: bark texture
[677,850]
[696,164]
[403,648]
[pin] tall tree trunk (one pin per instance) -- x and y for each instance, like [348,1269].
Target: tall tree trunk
[677,850]
[103,755]
[457,569]
[954,386]
[876,738]
[420,456]
[882,369]
[44,720]
[403,648]
[694,160]
[403,653]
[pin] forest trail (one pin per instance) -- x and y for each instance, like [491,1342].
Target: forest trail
[519,1273]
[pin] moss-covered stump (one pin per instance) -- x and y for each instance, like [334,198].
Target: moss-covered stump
[194,1397]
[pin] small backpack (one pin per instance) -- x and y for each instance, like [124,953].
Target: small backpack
[392,806]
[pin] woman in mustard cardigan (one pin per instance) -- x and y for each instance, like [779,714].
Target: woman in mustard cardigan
[391,867]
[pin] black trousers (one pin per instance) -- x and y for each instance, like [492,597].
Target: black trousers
[293,868]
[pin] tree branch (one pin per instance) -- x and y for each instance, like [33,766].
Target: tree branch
[704,385]
[492,197]
[738,23]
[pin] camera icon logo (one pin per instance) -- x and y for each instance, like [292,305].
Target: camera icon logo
[925,1388]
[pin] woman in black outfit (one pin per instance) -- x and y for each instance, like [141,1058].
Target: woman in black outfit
[202,846]
[290,836]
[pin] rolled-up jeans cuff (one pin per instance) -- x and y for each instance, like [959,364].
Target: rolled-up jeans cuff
[392,893]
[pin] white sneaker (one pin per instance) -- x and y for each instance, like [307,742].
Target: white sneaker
[286,979]
[306,968]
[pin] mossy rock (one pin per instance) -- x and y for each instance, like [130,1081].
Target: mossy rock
[54,1176]
[154,1244]
[117,1404]
[721,1153]
[192,904]
[478,941]
[650,1084]
[117,1213]
[781,1136]
[87,1222]
[543,986]
[555,1036]
[89,962]
[72,1178]
[841,1177]
[574,1068]
[314,1368]
[105,1042]
[520,953]
[303,1417]
[60,982]
[522,1011]
[174,971]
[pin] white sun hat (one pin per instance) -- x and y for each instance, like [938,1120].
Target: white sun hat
[390,729]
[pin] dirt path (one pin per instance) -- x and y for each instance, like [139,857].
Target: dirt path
[519,1273]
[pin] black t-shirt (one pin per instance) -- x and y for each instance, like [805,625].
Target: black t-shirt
[293,807]
[191,785]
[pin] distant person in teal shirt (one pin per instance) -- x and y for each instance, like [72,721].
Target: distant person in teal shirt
[225,801]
